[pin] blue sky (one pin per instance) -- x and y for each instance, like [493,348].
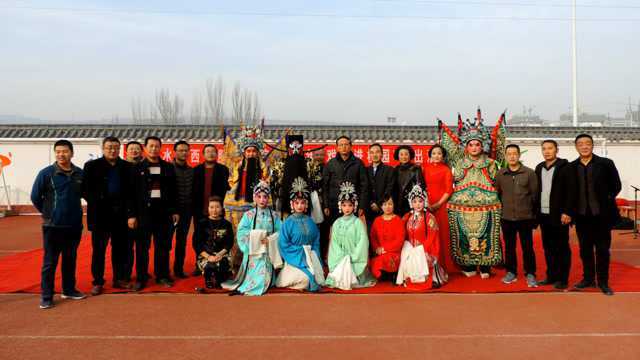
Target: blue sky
[65,60]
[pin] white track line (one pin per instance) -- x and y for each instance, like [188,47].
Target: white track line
[319,337]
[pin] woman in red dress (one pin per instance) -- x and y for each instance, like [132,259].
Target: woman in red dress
[439,181]
[387,237]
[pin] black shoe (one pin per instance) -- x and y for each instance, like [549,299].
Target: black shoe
[583,284]
[209,284]
[606,290]
[180,275]
[546,282]
[122,284]
[196,272]
[97,290]
[74,295]
[560,285]
[165,282]
[46,304]
[139,286]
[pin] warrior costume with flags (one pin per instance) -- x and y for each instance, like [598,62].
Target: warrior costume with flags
[474,209]
[349,247]
[299,243]
[256,273]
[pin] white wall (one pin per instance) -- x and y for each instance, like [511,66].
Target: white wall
[626,157]
[28,157]
[31,155]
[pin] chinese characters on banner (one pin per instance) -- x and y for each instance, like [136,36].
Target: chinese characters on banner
[359,150]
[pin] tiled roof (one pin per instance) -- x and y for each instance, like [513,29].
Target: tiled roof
[316,134]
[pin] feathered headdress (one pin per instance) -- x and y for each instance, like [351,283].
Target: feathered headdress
[262,187]
[299,189]
[347,193]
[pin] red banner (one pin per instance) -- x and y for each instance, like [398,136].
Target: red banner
[361,151]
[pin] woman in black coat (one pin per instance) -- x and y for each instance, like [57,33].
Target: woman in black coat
[405,175]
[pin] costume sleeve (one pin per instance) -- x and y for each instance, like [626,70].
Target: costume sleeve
[360,256]
[292,254]
[315,244]
[433,236]
[244,228]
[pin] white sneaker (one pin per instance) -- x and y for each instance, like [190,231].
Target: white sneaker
[469,273]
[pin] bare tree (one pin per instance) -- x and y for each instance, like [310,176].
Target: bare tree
[237,100]
[197,110]
[169,108]
[215,100]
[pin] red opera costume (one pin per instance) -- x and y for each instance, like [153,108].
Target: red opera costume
[423,231]
[389,235]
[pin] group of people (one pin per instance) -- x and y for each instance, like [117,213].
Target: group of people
[306,224]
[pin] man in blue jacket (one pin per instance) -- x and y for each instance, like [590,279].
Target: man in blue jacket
[56,194]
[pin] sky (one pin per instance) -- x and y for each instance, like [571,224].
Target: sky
[355,62]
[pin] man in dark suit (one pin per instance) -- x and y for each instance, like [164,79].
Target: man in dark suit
[555,212]
[152,208]
[209,179]
[598,184]
[380,182]
[105,185]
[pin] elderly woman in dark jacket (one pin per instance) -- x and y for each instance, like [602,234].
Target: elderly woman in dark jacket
[405,175]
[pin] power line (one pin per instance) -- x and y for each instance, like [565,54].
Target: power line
[508,4]
[315,15]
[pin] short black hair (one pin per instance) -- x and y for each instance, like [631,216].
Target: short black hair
[133,143]
[209,146]
[63,142]
[219,200]
[148,138]
[438,146]
[386,197]
[375,145]
[583,135]
[549,141]
[412,153]
[343,137]
[181,142]
[514,146]
[110,139]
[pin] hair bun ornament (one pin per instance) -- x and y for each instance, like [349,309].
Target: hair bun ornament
[262,187]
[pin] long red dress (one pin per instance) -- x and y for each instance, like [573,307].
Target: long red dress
[388,234]
[422,231]
[439,181]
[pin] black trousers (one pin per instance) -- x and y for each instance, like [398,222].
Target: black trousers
[158,229]
[594,235]
[132,235]
[57,242]
[557,253]
[219,271]
[510,232]
[119,257]
[181,231]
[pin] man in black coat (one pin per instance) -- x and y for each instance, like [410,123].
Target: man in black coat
[598,184]
[555,212]
[380,182]
[152,208]
[344,167]
[105,185]
[209,179]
